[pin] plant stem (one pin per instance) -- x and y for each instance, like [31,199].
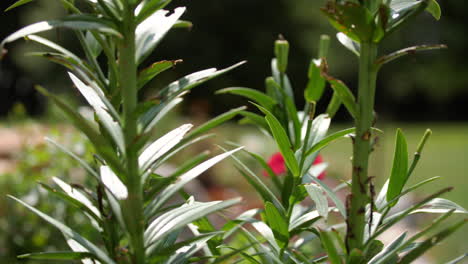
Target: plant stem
[361,149]
[133,205]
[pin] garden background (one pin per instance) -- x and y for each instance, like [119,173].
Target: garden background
[427,90]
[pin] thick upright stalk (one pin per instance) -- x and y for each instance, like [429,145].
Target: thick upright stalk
[361,149]
[133,205]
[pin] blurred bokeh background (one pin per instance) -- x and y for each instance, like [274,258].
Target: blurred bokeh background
[425,90]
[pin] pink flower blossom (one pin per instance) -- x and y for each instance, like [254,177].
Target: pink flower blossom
[277,165]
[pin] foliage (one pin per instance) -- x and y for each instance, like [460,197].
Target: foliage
[362,25]
[127,203]
[131,206]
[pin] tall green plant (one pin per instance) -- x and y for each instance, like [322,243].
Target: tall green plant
[363,25]
[129,206]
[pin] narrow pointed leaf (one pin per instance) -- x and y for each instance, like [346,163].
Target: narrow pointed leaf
[338,203]
[431,242]
[221,119]
[383,255]
[193,80]
[350,44]
[330,139]
[69,233]
[113,183]
[440,206]
[147,74]
[17,4]
[180,217]
[399,174]
[277,223]
[317,195]
[79,22]
[316,84]
[77,195]
[266,232]
[165,143]
[282,141]
[156,204]
[258,97]
[153,29]
[345,94]
[329,246]
[102,110]
[434,9]
[63,255]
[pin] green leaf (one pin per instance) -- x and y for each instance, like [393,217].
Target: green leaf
[395,218]
[440,206]
[338,203]
[430,242]
[258,97]
[407,51]
[381,202]
[83,163]
[210,124]
[457,260]
[318,130]
[149,7]
[282,141]
[180,217]
[62,255]
[399,174]
[267,168]
[152,71]
[78,196]
[93,45]
[262,189]
[170,190]
[434,9]
[333,105]
[79,22]
[388,251]
[295,128]
[103,108]
[112,182]
[17,4]
[372,249]
[329,139]
[153,29]
[99,142]
[300,217]
[329,246]
[345,94]
[352,19]
[69,233]
[278,224]
[316,84]
[156,113]
[266,232]
[251,118]
[350,44]
[317,195]
[193,80]
[161,146]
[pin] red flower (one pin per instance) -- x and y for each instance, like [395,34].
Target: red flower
[277,165]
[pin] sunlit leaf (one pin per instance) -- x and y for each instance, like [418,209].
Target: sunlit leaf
[399,175]
[69,233]
[113,183]
[153,29]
